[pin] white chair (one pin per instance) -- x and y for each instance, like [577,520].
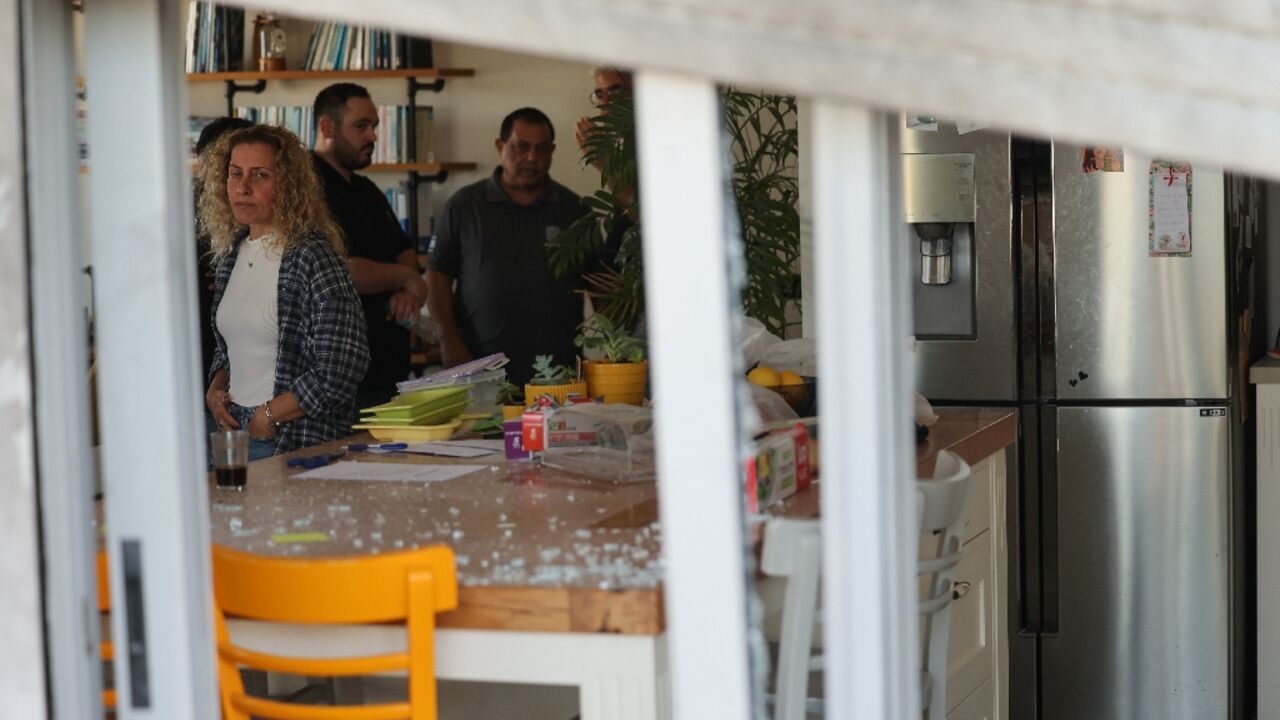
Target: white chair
[793,550]
[942,513]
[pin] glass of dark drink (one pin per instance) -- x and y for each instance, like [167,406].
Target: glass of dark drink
[230,450]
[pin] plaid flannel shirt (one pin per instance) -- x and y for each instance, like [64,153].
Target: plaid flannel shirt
[322,351]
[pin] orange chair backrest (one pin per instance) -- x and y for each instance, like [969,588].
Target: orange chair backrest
[409,587]
[108,651]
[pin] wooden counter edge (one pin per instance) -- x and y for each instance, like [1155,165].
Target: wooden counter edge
[585,610]
[974,447]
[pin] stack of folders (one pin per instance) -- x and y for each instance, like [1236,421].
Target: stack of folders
[420,415]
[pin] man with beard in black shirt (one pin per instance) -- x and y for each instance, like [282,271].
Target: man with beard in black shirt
[381,259]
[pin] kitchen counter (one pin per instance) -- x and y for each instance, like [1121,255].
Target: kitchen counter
[1265,372]
[972,433]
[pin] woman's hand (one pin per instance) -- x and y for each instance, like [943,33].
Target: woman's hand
[218,400]
[260,427]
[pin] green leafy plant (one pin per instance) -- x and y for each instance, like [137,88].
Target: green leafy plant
[546,372]
[763,152]
[617,346]
[509,394]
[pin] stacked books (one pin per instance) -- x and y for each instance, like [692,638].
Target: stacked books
[393,129]
[398,199]
[297,119]
[339,46]
[215,38]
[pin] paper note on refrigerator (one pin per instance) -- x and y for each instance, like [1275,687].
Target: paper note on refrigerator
[1169,212]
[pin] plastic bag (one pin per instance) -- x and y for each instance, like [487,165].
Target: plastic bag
[771,406]
[760,347]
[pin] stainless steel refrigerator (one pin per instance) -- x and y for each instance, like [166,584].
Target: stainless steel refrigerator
[1036,288]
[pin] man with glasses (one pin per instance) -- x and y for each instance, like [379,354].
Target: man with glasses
[492,243]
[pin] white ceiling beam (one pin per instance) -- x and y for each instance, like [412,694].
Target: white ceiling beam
[1183,78]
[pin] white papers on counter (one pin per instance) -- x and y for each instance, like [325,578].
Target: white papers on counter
[390,472]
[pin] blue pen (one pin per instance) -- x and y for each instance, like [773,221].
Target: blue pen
[314,461]
[358,447]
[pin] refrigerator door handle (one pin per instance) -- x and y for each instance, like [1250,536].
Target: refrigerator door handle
[1026,535]
[1049,577]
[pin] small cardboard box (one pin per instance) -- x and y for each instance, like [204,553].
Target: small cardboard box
[779,469]
[546,428]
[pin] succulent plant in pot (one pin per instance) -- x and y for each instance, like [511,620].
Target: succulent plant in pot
[511,398]
[551,379]
[620,375]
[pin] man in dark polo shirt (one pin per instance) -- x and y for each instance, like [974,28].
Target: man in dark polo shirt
[492,242]
[382,262]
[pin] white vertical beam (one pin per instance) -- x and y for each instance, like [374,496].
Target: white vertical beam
[22,678]
[687,292]
[61,339]
[149,387]
[867,465]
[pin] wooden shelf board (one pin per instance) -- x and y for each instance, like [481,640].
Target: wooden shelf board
[251,75]
[426,168]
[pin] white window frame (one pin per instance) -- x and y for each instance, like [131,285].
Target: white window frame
[61,381]
[22,677]
[149,385]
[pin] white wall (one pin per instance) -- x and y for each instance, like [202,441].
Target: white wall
[467,113]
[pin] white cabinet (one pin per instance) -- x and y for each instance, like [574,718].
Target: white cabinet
[1266,374]
[977,667]
[978,706]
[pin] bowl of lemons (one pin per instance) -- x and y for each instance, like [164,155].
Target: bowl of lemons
[800,392]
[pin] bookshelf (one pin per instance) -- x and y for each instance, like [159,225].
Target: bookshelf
[253,76]
[375,56]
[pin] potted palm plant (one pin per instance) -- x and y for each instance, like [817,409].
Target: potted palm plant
[604,245]
[620,373]
[555,380]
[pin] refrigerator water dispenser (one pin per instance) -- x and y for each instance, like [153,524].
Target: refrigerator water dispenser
[940,203]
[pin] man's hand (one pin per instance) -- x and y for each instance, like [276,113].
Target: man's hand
[453,351]
[415,286]
[405,305]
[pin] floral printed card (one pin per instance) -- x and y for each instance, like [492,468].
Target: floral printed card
[1169,213]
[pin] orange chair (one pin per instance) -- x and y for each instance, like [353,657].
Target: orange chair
[104,607]
[409,587]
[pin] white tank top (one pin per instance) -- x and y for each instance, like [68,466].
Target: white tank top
[247,320]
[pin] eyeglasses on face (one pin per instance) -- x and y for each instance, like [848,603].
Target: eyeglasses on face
[599,96]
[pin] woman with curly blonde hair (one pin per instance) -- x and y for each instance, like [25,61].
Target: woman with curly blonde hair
[288,327]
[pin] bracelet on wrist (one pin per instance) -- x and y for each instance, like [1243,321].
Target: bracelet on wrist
[266,409]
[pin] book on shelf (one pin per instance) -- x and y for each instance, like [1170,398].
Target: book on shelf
[398,199]
[297,119]
[341,46]
[215,38]
[196,125]
[393,129]
[423,136]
